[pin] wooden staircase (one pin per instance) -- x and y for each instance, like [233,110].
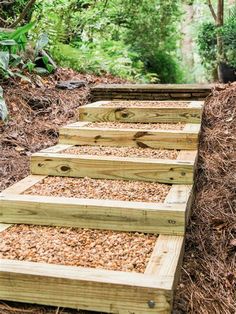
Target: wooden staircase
[99,289]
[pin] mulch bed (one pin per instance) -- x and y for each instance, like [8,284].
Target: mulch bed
[37,110]
[208,281]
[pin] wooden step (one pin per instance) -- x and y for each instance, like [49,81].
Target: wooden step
[151,91]
[80,133]
[98,289]
[59,163]
[169,217]
[105,111]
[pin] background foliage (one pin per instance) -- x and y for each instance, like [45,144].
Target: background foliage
[132,39]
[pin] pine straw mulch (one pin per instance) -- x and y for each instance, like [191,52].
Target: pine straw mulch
[208,282]
[37,110]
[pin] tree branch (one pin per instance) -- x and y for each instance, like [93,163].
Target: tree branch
[6,2]
[212,10]
[23,13]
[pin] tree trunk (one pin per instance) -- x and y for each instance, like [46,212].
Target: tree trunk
[219,23]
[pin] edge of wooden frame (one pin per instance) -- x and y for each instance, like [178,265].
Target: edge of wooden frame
[97,289]
[168,217]
[112,167]
[80,133]
[101,112]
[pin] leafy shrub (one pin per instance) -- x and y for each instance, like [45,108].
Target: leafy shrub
[207,42]
[122,37]
[112,58]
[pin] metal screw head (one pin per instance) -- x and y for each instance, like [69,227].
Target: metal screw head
[151,304]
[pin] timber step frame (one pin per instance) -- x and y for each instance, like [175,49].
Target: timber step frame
[80,133]
[151,91]
[169,217]
[97,289]
[54,162]
[101,112]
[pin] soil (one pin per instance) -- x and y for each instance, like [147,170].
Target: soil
[208,277]
[156,104]
[143,126]
[123,251]
[136,191]
[122,152]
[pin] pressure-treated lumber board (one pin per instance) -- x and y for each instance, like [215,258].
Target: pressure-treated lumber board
[162,218]
[106,167]
[151,91]
[93,213]
[23,185]
[167,257]
[77,134]
[97,289]
[97,112]
[4,227]
[154,87]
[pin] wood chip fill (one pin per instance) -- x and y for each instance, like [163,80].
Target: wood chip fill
[122,152]
[143,126]
[78,247]
[156,104]
[136,191]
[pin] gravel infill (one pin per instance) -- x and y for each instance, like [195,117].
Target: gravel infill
[137,191]
[78,247]
[156,104]
[145,126]
[122,152]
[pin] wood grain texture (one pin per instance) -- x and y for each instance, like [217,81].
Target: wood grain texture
[153,87]
[84,288]
[23,185]
[120,168]
[164,139]
[166,258]
[137,114]
[4,227]
[93,213]
[96,112]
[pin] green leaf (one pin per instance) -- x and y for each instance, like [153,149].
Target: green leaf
[41,43]
[21,31]
[40,70]
[8,42]
[3,107]
[23,77]
[4,60]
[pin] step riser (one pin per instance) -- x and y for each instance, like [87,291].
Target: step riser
[170,172]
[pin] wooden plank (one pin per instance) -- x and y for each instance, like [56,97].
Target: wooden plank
[120,168]
[56,148]
[178,194]
[93,213]
[138,114]
[23,185]
[4,227]
[84,288]
[185,155]
[165,139]
[153,87]
[188,155]
[166,258]
[190,127]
